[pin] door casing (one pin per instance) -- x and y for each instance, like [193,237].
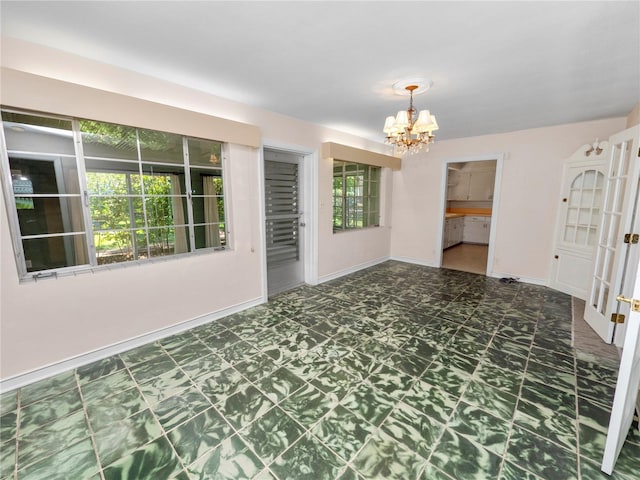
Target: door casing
[499,158]
[308,182]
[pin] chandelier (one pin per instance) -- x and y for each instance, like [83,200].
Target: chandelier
[407,134]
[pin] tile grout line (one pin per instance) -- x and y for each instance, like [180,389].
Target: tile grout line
[553,388]
[18,421]
[529,353]
[308,430]
[148,404]
[459,401]
[47,397]
[195,385]
[89,427]
[519,396]
[217,410]
[577,407]
[275,404]
[503,457]
[347,463]
[306,382]
[466,386]
[416,380]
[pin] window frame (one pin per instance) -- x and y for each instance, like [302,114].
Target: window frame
[371,174]
[85,199]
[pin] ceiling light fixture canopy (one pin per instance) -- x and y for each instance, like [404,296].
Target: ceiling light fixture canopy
[407,132]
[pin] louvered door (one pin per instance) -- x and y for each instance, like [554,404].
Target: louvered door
[283,220]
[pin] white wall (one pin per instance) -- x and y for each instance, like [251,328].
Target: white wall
[45,322]
[53,319]
[529,194]
[49,321]
[373,244]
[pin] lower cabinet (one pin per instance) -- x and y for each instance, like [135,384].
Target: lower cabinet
[476,229]
[453,231]
[467,229]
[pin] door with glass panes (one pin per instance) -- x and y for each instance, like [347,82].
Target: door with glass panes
[617,250]
[577,223]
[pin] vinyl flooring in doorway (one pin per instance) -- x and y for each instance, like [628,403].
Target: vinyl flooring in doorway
[395,372]
[466,257]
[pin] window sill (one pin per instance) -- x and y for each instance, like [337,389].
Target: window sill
[355,229]
[80,270]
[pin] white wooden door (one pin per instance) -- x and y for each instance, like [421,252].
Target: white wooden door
[626,396]
[616,256]
[285,265]
[578,219]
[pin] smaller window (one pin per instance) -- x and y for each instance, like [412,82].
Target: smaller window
[356,195]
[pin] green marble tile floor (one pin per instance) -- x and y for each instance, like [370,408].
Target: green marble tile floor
[394,372]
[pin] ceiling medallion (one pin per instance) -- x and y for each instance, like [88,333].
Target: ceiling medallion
[405,131]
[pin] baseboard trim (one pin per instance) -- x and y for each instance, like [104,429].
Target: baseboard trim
[353,269]
[41,373]
[414,261]
[533,281]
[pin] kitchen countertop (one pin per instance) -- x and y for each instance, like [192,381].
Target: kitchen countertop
[458,215]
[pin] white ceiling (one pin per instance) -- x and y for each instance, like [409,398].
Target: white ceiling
[495,66]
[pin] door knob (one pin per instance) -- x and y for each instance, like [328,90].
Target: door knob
[635,304]
[622,298]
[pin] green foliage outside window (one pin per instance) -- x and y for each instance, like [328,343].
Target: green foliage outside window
[116,205]
[122,193]
[356,195]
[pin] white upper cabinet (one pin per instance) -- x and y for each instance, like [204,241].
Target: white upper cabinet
[471,184]
[481,185]
[458,185]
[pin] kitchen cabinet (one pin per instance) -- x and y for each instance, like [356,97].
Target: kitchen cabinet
[459,185]
[476,229]
[481,185]
[474,185]
[453,231]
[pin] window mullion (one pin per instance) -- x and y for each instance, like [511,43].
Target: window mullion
[226,193]
[345,205]
[132,215]
[188,191]
[82,181]
[144,201]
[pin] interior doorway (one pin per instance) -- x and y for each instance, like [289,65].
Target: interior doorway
[284,222]
[470,191]
[466,257]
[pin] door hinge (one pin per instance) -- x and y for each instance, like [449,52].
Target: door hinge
[635,304]
[631,238]
[617,318]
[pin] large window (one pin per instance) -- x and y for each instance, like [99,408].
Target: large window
[356,195]
[89,193]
